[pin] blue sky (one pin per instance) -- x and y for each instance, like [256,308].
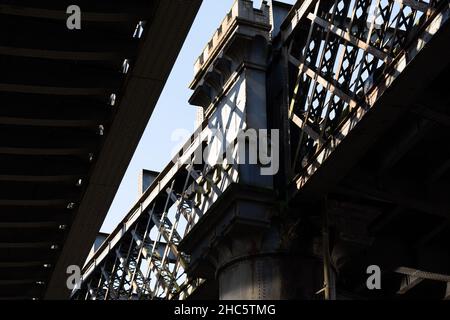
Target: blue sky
[172,111]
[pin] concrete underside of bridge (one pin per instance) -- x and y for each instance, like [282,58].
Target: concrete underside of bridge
[70,119]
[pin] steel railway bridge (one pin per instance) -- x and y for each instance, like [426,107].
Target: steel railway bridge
[358,93]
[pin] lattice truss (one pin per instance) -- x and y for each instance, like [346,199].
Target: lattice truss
[145,262]
[337,52]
